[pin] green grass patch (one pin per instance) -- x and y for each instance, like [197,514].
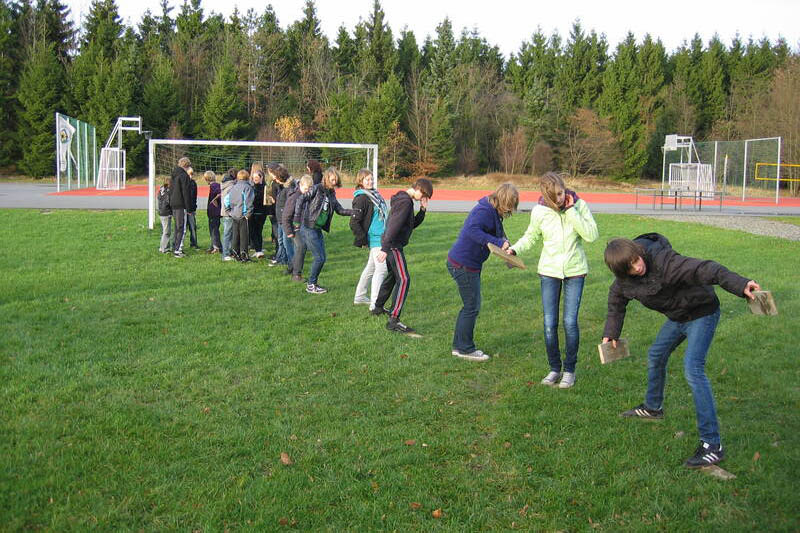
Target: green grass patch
[146,392]
[786,220]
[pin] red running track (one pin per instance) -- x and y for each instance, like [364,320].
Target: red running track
[465,195]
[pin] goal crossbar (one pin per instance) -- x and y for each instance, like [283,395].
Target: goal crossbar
[372,153]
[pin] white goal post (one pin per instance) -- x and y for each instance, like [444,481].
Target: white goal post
[218,156]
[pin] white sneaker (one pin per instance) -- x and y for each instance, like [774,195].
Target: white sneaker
[227,258]
[259,254]
[551,379]
[476,355]
[361,302]
[567,380]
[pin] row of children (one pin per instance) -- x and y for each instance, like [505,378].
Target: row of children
[646,269]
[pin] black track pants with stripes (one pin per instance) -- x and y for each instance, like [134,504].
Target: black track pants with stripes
[397,273]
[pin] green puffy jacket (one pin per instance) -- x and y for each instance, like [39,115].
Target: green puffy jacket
[562,234]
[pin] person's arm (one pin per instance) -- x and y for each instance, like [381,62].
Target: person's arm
[531,235]
[420,216]
[337,207]
[298,210]
[359,212]
[287,215]
[617,305]
[475,230]
[582,220]
[682,270]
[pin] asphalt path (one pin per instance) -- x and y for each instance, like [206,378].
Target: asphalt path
[45,196]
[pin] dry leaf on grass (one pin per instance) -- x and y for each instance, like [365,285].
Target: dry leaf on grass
[285,459]
[506,445]
[756,456]
[416,506]
[437,513]
[410,442]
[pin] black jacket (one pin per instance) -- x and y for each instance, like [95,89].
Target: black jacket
[275,189]
[192,207]
[361,220]
[280,199]
[401,222]
[676,286]
[287,213]
[258,199]
[180,196]
[311,205]
[164,210]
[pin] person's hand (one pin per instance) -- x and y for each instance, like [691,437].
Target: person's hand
[510,251]
[505,246]
[291,236]
[613,341]
[423,203]
[750,287]
[380,257]
[569,201]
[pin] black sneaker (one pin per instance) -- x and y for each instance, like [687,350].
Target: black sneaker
[705,455]
[244,258]
[179,254]
[643,412]
[235,255]
[395,325]
[378,311]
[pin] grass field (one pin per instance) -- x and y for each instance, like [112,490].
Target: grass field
[144,392]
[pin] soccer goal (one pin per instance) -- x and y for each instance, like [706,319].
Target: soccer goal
[219,156]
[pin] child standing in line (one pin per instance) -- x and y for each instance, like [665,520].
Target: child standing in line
[314,210]
[239,202]
[399,225]
[280,177]
[259,216]
[483,225]
[179,201]
[213,209]
[165,214]
[681,288]
[563,222]
[367,224]
[191,209]
[293,239]
[228,181]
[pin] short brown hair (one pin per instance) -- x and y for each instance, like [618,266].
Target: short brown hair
[505,199]
[314,166]
[549,185]
[363,173]
[331,172]
[242,175]
[184,162]
[278,171]
[620,254]
[425,186]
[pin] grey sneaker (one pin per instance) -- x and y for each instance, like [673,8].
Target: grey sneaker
[475,355]
[395,325]
[567,380]
[315,289]
[551,379]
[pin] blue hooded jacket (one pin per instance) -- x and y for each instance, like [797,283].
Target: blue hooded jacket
[483,225]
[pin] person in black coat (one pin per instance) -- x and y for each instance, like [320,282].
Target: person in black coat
[191,209]
[180,200]
[647,269]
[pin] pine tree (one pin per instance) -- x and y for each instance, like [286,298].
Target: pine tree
[272,68]
[223,112]
[442,59]
[442,147]
[344,52]
[620,102]
[385,108]
[379,58]
[160,104]
[409,58]
[103,27]
[8,82]
[59,30]
[714,83]
[39,98]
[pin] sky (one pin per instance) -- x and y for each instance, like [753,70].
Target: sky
[508,23]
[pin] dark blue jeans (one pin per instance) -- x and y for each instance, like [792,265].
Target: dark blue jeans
[551,295]
[286,249]
[469,287]
[698,334]
[316,243]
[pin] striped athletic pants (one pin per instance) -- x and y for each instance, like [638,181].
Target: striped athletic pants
[397,273]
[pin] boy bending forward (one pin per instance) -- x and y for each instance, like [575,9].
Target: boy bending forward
[649,270]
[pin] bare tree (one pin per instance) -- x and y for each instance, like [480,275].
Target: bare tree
[590,147]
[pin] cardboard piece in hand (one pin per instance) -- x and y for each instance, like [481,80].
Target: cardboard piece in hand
[511,259]
[762,303]
[608,353]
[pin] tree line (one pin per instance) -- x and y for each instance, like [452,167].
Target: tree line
[452,104]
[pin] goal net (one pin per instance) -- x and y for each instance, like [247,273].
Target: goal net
[219,156]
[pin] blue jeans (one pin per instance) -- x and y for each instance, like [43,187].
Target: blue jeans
[285,249]
[551,294]
[469,287]
[698,334]
[227,236]
[316,243]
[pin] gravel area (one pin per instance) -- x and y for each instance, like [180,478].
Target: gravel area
[750,224]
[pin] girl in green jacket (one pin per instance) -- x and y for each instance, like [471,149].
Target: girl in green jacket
[563,222]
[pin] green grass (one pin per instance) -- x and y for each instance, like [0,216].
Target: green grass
[143,392]
[786,220]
